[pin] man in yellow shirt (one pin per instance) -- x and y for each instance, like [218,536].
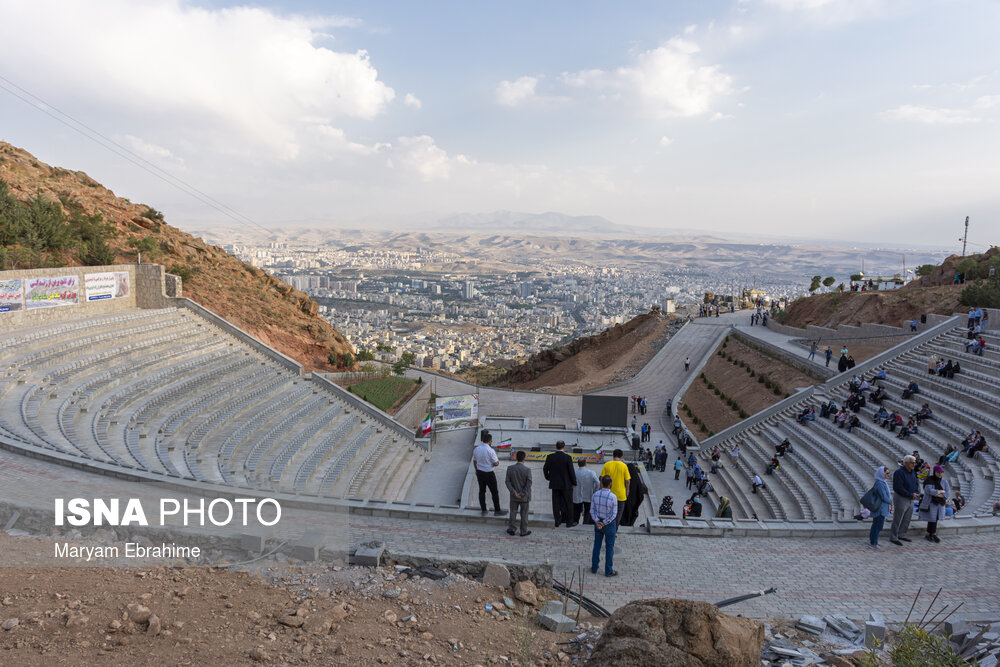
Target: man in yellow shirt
[617,470]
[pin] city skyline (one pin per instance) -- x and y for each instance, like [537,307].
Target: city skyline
[866,119]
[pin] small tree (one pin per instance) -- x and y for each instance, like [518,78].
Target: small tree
[405,361]
[365,355]
[829,280]
[814,284]
[856,277]
[347,359]
[925,269]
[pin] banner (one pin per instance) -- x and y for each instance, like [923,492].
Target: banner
[106,285]
[50,292]
[11,295]
[591,457]
[454,412]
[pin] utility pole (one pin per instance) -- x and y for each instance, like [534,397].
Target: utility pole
[965,237]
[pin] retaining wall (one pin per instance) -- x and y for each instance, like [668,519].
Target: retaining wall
[22,316]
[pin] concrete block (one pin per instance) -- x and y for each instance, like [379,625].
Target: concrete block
[557,622]
[552,607]
[369,556]
[811,624]
[496,575]
[255,541]
[955,627]
[308,546]
[875,631]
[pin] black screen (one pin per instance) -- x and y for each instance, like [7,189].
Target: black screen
[604,411]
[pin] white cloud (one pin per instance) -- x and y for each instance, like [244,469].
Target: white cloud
[421,155]
[412,100]
[149,151]
[930,115]
[665,81]
[238,79]
[797,5]
[987,102]
[666,141]
[517,92]
[689,29]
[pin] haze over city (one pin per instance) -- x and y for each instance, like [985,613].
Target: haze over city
[865,120]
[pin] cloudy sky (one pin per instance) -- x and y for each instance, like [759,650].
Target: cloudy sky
[874,120]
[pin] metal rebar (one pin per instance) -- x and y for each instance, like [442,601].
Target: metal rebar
[947,617]
[921,623]
[912,606]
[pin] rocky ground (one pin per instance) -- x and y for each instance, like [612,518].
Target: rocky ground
[267,612]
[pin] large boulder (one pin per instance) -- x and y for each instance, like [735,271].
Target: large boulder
[680,633]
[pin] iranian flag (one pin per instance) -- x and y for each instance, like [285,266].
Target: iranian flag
[505,444]
[425,428]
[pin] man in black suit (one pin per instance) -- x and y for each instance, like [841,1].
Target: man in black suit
[559,471]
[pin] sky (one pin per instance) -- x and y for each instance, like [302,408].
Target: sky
[853,120]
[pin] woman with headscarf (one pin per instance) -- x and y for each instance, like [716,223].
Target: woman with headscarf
[880,512]
[842,364]
[932,505]
[636,494]
[725,510]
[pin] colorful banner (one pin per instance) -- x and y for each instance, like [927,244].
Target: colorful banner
[591,457]
[50,292]
[11,295]
[454,412]
[106,285]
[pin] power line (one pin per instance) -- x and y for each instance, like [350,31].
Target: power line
[124,152]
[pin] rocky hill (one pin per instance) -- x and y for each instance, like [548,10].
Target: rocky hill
[102,228]
[614,355]
[934,292]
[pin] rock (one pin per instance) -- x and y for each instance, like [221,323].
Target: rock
[681,633]
[76,621]
[431,573]
[389,616]
[317,624]
[392,593]
[10,624]
[556,622]
[339,612]
[137,613]
[496,575]
[526,592]
[507,602]
[258,654]
[154,627]
[292,621]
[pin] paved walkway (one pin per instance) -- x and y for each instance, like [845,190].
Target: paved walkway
[814,576]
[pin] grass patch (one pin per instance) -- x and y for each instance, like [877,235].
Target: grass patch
[384,393]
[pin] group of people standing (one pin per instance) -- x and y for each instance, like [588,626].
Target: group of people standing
[638,405]
[905,494]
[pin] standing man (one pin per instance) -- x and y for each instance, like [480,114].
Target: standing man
[829,355]
[687,363]
[518,483]
[587,485]
[486,460]
[558,469]
[678,466]
[906,489]
[617,470]
[812,351]
[604,510]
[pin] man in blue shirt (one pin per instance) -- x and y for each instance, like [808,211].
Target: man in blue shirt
[604,511]
[905,489]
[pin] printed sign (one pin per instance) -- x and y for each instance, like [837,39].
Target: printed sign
[106,285]
[50,292]
[591,457]
[453,412]
[11,295]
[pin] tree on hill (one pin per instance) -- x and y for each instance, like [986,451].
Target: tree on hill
[405,360]
[814,285]
[925,269]
[829,280]
[365,355]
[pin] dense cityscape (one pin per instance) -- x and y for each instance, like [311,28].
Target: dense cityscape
[382,298]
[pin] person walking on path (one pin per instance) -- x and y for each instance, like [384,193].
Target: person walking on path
[518,483]
[932,505]
[829,355]
[906,490]
[812,351]
[617,470]
[486,460]
[604,510]
[587,485]
[882,510]
[558,469]
[687,363]
[735,453]
[678,466]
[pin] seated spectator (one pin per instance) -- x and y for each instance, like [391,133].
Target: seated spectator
[725,510]
[716,453]
[757,483]
[783,447]
[852,422]
[667,506]
[863,387]
[772,466]
[949,456]
[807,415]
[911,390]
[881,415]
[959,500]
[923,413]
[695,505]
[877,396]
[956,369]
[948,371]
[919,460]
[715,467]
[881,374]
[996,508]
[908,429]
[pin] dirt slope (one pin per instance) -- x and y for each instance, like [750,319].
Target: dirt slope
[590,362]
[266,307]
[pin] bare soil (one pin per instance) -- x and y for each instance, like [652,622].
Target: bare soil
[280,614]
[892,307]
[735,382]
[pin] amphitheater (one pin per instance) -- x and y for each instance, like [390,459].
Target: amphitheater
[151,387]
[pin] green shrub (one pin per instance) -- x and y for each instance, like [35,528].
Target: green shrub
[915,646]
[985,294]
[694,420]
[186,273]
[717,392]
[743,414]
[704,429]
[753,373]
[777,392]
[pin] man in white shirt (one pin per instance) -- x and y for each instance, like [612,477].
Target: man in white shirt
[486,460]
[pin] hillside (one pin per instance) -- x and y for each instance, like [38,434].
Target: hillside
[586,363]
[934,292]
[103,228]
